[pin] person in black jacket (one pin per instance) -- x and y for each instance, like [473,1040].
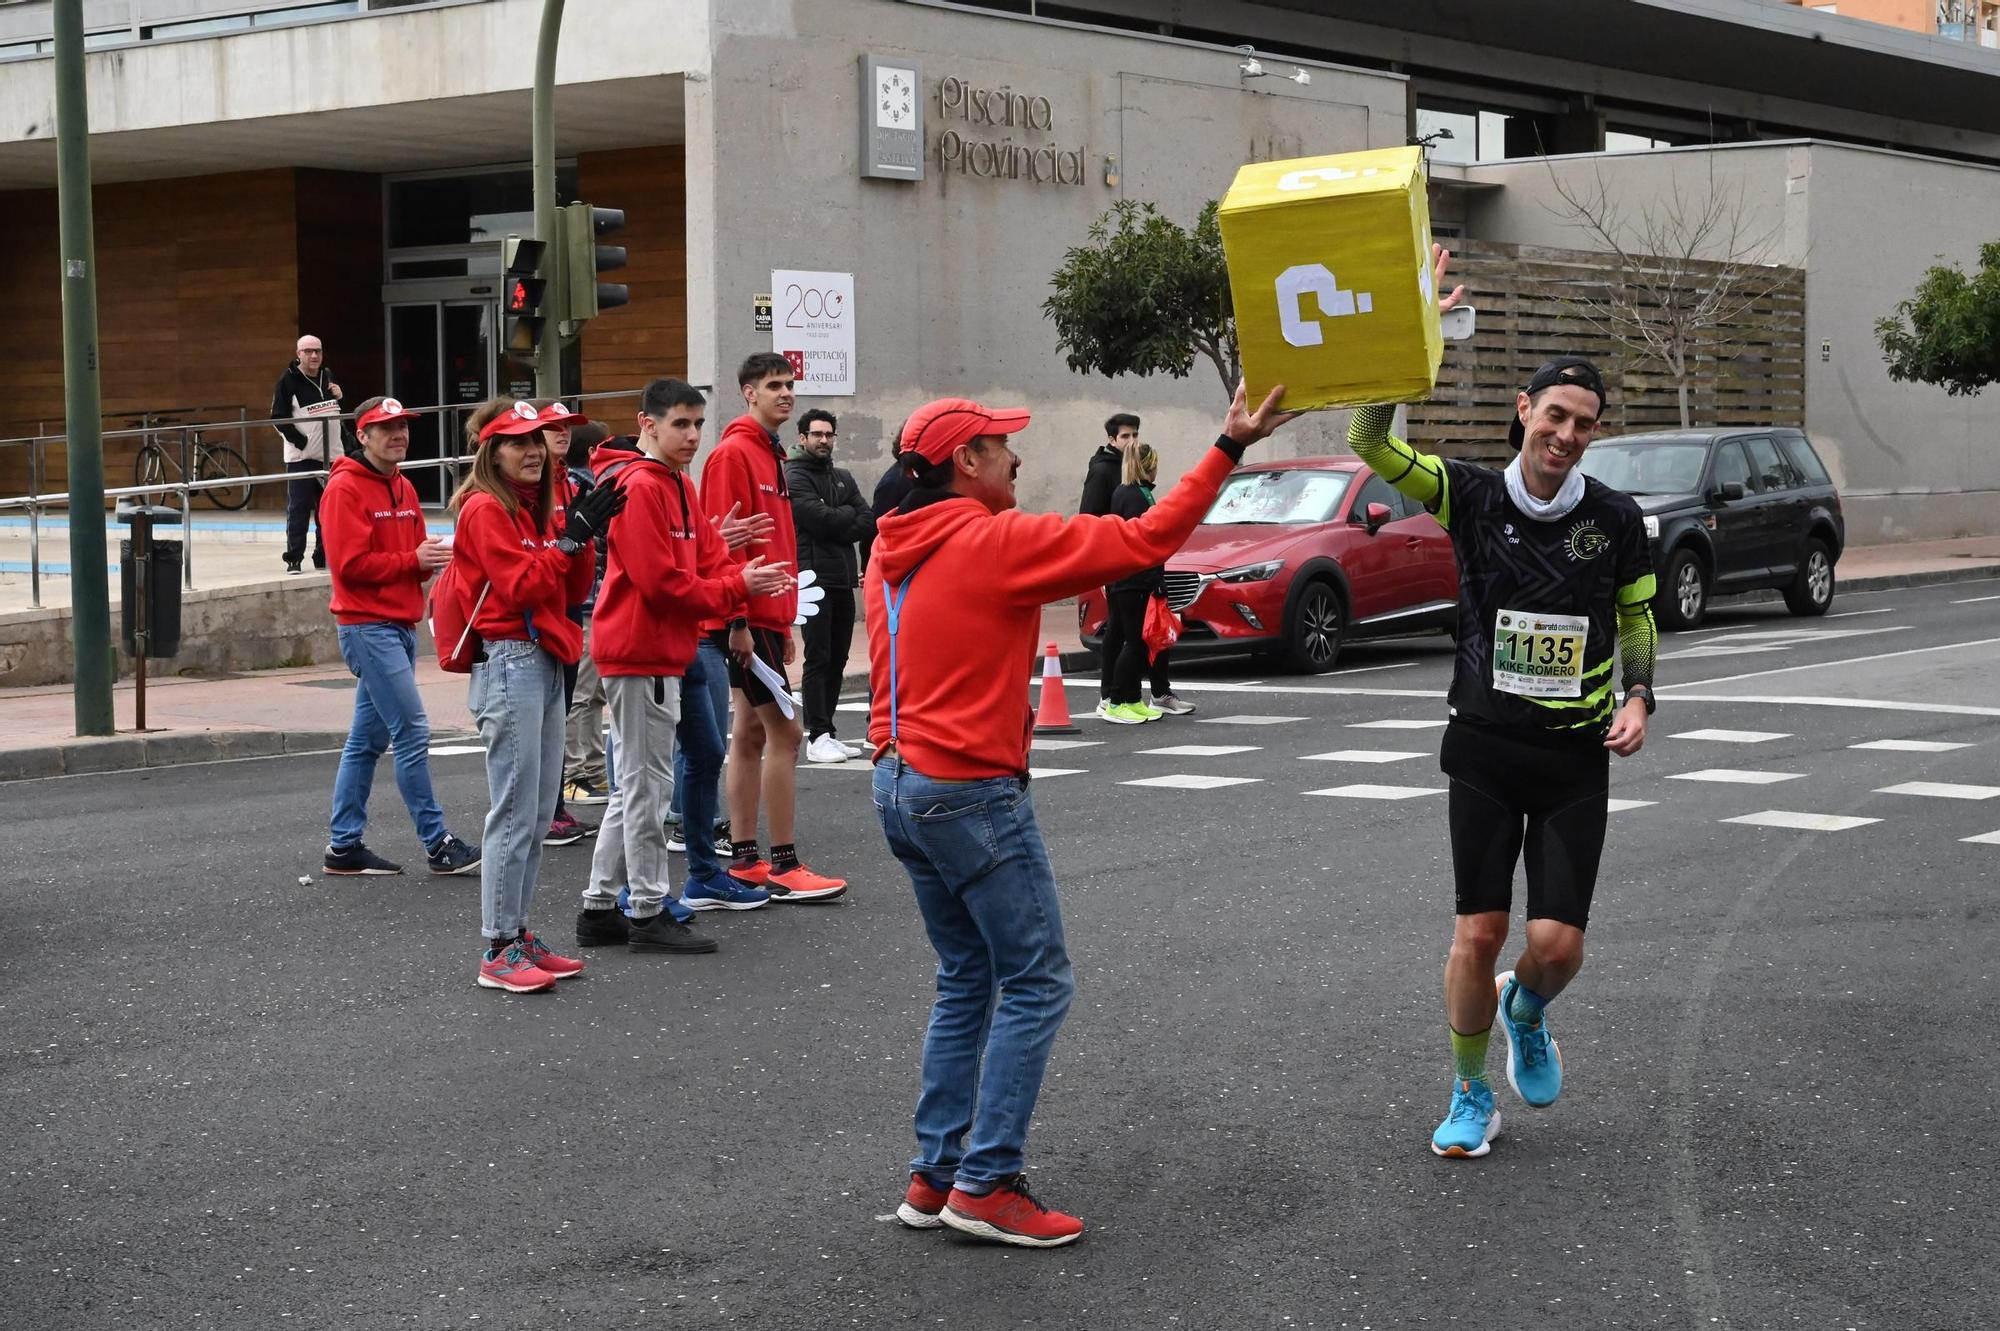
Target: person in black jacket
[831,516]
[1126,600]
[306,407]
[1107,464]
[890,488]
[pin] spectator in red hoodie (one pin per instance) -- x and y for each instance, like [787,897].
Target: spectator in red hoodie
[953,599]
[643,634]
[380,558]
[527,559]
[746,475]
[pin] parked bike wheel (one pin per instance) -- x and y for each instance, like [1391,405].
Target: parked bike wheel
[150,468]
[220,462]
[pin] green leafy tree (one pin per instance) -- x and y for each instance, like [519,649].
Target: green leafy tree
[1948,333]
[1146,296]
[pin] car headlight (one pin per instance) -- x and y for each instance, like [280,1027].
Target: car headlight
[1251,572]
[1652,525]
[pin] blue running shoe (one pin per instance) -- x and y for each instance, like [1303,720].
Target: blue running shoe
[722,893]
[680,913]
[1534,1062]
[1470,1125]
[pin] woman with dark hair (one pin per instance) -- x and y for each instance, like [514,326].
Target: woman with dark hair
[528,558]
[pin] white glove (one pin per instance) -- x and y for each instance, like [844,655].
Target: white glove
[809,596]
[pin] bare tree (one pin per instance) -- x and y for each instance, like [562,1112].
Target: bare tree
[1687,269]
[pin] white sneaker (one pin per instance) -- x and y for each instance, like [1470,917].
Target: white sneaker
[853,750]
[827,749]
[1171,705]
[1103,712]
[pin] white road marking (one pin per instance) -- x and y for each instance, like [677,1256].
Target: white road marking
[1360,756]
[1732,736]
[1802,822]
[1193,781]
[1821,665]
[1882,610]
[1366,792]
[1780,640]
[1201,750]
[1619,806]
[1983,839]
[1735,776]
[1052,744]
[453,750]
[1248,720]
[1910,745]
[1044,773]
[1322,691]
[1362,670]
[1943,790]
[1398,724]
[850,707]
[1975,600]
[1858,704]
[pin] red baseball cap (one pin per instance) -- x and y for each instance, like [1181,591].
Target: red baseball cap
[521,418]
[556,416]
[941,426]
[388,409]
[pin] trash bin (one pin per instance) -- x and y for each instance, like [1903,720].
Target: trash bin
[149,581]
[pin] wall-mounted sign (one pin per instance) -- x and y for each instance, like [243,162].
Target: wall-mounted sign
[814,315]
[760,308]
[892,118]
[998,135]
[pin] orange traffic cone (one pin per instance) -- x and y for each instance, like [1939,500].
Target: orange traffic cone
[1052,718]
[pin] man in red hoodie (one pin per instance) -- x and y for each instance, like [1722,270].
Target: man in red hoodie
[746,474]
[953,598]
[643,634]
[380,558]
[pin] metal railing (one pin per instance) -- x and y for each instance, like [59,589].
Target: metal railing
[451,462]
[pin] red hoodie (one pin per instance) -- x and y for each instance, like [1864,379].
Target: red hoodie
[973,612]
[747,471]
[665,570]
[530,577]
[372,525]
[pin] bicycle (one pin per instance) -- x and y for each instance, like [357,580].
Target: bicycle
[210,462]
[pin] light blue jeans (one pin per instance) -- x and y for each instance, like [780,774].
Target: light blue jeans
[987,893]
[517,699]
[388,713]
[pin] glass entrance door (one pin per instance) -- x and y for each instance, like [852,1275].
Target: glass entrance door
[440,355]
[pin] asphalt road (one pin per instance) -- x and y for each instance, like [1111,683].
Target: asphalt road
[233,1099]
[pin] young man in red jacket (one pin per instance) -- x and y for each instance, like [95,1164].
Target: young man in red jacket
[746,475]
[380,558]
[953,598]
[643,634]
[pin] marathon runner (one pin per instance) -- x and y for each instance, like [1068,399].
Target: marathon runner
[1554,579]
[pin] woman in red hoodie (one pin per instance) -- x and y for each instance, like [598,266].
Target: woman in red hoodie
[526,561]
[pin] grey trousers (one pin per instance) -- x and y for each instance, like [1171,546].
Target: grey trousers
[583,730]
[632,839]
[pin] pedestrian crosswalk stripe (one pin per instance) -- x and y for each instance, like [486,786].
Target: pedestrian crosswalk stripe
[1367,792]
[1399,723]
[1910,745]
[1943,790]
[850,707]
[1802,822]
[453,750]
[1361,756]
[1200,750]
[1735,776]
[1732,736]
[1248,720]
[1193,781]
[1984,838]
[1052,744]
[1619,806]
[1044,773]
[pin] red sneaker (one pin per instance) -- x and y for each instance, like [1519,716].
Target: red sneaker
[922,1203]
[802,884]
[538,952]
[1010,1214]
[754,874]
[512,971]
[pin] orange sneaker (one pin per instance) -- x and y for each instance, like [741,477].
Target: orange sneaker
[921,1204]
[802,884]
[1010,1214]
[757,873]
[538,952]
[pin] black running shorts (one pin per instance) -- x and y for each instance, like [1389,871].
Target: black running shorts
[1512,796]
[769,646]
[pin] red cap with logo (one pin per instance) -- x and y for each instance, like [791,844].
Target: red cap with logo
[383,412]
[556,416]
[521,418]
[939,427]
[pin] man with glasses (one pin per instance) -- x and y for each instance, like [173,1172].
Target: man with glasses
[831,516]
[306,403]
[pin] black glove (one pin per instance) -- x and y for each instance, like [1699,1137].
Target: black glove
[591,513]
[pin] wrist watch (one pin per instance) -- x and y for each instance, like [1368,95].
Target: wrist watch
[738,623]
[1643,693]
[567,546]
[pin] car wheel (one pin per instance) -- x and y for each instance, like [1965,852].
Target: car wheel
[1811,591]
[1683,600]
[1312,637]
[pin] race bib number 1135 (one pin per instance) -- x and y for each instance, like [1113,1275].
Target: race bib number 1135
[1539,656]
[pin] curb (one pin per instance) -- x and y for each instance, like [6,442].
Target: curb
[130,753]
[1880,582]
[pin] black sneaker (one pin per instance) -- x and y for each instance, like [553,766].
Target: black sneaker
[723,845]
[319,561]
[452,856]
[602,928]
[663,933]
[355,860]
[292,565]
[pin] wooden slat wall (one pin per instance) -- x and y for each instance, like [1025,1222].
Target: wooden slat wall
[1527,313]
[625,347]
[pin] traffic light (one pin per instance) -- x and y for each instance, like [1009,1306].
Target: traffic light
[521,295]
[583,259]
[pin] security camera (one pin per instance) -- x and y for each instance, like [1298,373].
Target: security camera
[1300,77]
[1252,68]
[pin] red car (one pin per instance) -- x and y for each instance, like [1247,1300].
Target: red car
[1296,559]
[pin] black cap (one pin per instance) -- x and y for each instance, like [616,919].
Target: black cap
[1562,370]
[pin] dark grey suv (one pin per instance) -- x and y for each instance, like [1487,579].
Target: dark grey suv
[1729,511]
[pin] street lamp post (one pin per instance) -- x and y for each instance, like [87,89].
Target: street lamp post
[548,355]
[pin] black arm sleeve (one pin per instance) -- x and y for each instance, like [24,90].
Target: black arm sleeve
[281,411]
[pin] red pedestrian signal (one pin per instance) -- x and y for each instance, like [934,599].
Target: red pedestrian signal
[523,289]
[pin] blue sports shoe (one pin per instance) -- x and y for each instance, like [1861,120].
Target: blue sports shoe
[1534,1062]
[722,893]
[1470,1125]
[681,914]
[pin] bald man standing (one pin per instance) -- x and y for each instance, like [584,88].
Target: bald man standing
[306,407]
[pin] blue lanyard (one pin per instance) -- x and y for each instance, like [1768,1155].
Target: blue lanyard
[894,605]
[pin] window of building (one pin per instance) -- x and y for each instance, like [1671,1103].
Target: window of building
[469,208]
[200,27]
[1463,136]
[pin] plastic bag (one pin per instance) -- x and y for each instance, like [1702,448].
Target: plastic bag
[1162,628]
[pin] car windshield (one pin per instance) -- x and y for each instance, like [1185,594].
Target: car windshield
[1666,467]
[1278,498]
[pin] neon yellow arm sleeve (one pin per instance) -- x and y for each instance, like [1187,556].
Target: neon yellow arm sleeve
[1638,637]
[1418,475]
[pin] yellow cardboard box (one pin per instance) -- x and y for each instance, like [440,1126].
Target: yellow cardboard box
[1329,270]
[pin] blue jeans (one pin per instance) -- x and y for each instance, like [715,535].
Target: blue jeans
[698,758]
[517,699]
[388,712]
[987,893]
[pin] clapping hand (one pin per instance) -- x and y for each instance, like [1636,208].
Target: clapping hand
[591,513]
[738,532]
[762,579]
